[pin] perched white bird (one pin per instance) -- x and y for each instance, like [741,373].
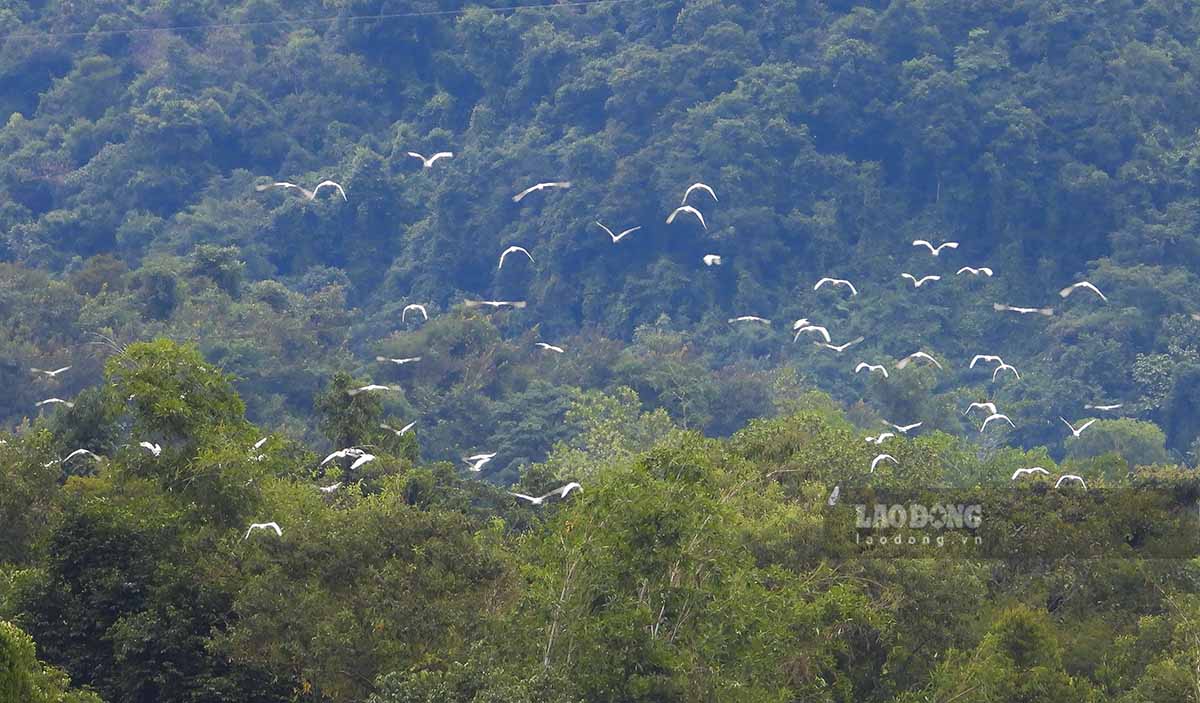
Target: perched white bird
[871,367]
[990,407]
[549,347]
[833,497]
[749,318]
[80,452]
[413,306]
[371,387]
[399,362]
[1024,311]
[840,347]
[476,461]
[1071,477]
[813,328]
[53,401]
[495,304]
[837,282]
[689,210]
[540,186]
[330,488]
[1026,472]
[984,357]
[343,453]
[1114,406]
[1082,427]
[1005,367]
[1082,284]
[153,448]
[698,186]
[878,439]
[512,250]
[917,355]
[365,458]
[974,271]
[259,443]
[618,237]
[559,492]
[918,282]
[263,526]
[712,260]
[308,194]
[995,416]
[51,374]
[402,431]
[936,251]
[881,457]
[428,163]
[903,429]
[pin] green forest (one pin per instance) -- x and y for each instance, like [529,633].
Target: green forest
[541,420]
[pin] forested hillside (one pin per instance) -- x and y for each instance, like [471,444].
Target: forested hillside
[189,327]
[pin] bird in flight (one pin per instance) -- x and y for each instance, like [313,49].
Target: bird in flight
[540,186]
[1024,311]
[918,282]
[917,355]
[984,357]
[839,347]
[560,492]
[749,318]
[617,237]
[476,461]
[936,251]
[1026,472]
[51,374]
[428,163]
[698,186]
[80,452]
[688,209]
[813,328]
[371,387]
[990,407]
[399,362]
[974,271]
[495,304]
[1114,406]
[871,367]
[995,416]
[904,429]
[308,194]
[837,282]
[364,459]
[343,453]
[550,347]
[263,526]
[1082,284]
[1005,367]
[413,306]
[1070,477]
[53,401]
[881,457]
[1082,427]
[512,250]
[802,322]
[330,488]
[151,447]
[712,260]
[399,432]
[878,439]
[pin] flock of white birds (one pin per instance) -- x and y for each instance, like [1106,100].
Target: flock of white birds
[476,462]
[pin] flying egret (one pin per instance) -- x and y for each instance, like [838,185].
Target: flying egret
[712,260]
[918,282]
[398,362]
[1026,472]
[840,347]
[813,328]
[1114,406]
[837,282]
[1071,477]
[802,322]
[153,448]
[80,452]
[984,357]
[53,401]
[1082,284]
[974,271]
[878,439]
[917,355]
[371,387]
[51,374]
[365,458]
[903,429]
[263,526]
[413,306]
[549,347]
[936,251]
[560,492]
[698,186]
[330,488]
[881,457]
[617,237]
[476,461]
[871,367]
[308,194]
[688,209]
[1005,367]
[343,453]
[540,186]
[399,432]
[1024,311]
[1082,427]
[749,318]
[995,416]
[428,162]
[990,407]
[511,250]
[495,304]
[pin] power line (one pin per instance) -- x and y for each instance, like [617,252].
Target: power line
[310,21]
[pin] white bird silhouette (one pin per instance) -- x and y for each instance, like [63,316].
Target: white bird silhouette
[53,401]
[413,306]
[512,250]
[802,322]
[932,250]
[995,416]
[399,362]
[1005,367]
[550,347]
[990,407]
[51,374]
[917,355]
[343,453]
[974,271]
[308,194]
[712,260]
[1082,427]
[1025,472]
[878,439]
[871,367]
[428,163]
[1024,311]
[263,526]
[813,328]
[259,443]
[330,488]
[402,431]
[903,429]
[881,457]
[365,458]
[540,186]
[618,237]
[840,347]
[1082,284]
[689,210]
[560,492]
[495,304]
[918,282]
[749,318]
[153,448]
[698,186]
[1071,477]
[476,461]
[984,357]
[833,497]
[837,282]
[80,452]
[1103,407]
[371,387]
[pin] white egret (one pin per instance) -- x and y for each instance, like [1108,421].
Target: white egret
[540,186]
[936,251]
[263,526]
[917,355]
[995,416]
[918,282]
[413,306]
[559,492]
[1082,284]
[308,194]
[698,186]
[871,367]
[476,461]
[429,162]
[617,237]
[687,209]
[837,282]
[1074,431]
[512,250]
